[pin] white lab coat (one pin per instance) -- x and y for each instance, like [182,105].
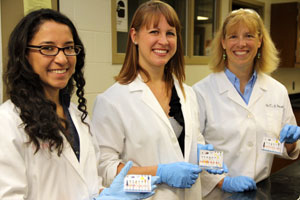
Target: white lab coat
[44,175]
[237,129]
[130,124]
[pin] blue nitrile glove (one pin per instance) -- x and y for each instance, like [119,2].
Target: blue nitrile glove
[210,147]
[289,133]
[116,189]
[238,184]
[218,171]
[178,174]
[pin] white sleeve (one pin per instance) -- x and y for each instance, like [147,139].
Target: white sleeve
[289,118]
[108,130]
[13,179]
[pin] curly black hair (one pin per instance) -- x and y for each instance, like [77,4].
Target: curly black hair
[25,89]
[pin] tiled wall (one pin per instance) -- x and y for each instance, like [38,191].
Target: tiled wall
[92,19]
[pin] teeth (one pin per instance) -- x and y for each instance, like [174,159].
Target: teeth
[240,52]
[59,71]
[160,51]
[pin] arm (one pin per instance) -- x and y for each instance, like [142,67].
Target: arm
[290,132]
[107,129]
[290,147]
[13,179]
[148,170]
[108,126]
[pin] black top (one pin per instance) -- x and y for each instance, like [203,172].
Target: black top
[176,112]
[74,137]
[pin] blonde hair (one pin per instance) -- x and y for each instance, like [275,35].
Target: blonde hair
[268,61]
[147,13]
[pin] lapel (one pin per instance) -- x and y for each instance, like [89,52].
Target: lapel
[149,99]
[259,89]
[225,85]
[68,153]
[186,111]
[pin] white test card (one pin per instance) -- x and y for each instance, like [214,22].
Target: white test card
[211,159]
[272,145]
[137,183]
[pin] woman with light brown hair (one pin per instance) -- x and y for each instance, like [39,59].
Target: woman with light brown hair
[150,116]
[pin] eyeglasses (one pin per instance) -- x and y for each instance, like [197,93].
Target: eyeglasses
[48,50]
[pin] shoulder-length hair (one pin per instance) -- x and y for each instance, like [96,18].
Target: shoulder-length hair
[268,60]
[147,13]
[24,86]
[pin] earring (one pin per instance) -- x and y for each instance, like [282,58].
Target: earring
[258,55]
[224,55]
[135,43]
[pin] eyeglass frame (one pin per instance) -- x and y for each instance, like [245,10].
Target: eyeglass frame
[40,48]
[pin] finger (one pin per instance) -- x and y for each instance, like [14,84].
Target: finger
[154,180]
[283,133]
[225,168]
[193,182]
[194,176]
[291,131]
[212,171]
[153,187]
[197,170]
[248,186]
[252,184]
[219,171]
[125,169]
[297,133]
[210,147]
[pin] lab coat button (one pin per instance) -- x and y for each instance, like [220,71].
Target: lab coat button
[250,144]
[249,116]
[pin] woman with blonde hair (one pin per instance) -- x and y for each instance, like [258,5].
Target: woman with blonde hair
[240,104]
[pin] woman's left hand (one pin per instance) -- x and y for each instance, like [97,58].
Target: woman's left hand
[289,133]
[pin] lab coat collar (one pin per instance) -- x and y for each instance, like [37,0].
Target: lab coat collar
[137,85]
[225,86]
[149,99]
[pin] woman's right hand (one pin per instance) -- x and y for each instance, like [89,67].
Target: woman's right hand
[116,189]
[178,174]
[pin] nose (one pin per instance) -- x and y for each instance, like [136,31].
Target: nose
[163,39]
[242,41]
[61,58]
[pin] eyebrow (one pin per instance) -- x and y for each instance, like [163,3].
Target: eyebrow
[52,43]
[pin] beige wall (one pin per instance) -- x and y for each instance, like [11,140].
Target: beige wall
[93,20]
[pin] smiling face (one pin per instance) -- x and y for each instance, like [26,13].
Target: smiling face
[156,45]
[54,71]
[241,46]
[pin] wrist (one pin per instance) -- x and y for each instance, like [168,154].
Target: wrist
[220,184]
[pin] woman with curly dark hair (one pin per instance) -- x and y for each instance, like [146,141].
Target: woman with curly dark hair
[47,151]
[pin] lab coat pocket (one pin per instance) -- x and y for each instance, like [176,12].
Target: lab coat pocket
[274,119]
